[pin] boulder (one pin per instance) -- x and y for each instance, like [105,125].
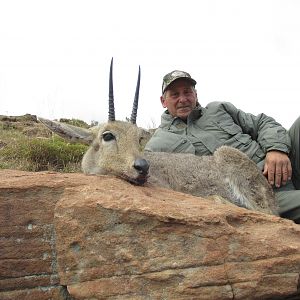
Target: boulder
[72,236]
[28,261]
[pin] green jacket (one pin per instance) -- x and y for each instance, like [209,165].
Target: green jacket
[220,123]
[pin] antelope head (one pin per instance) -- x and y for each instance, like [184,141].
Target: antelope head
[115,146]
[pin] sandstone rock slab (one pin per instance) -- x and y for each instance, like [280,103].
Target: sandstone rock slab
[130,242]
[71,236]
[28,263]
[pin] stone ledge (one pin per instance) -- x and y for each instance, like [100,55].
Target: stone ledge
[102,238]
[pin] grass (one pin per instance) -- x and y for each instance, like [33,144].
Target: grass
[29,146]
[34,153]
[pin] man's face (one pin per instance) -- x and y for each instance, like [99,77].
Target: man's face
[180,98]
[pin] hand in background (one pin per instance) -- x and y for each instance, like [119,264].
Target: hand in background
[277,168]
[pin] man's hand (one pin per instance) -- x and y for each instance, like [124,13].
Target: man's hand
[277,168]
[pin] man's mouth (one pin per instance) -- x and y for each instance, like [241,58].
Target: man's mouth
[184,108]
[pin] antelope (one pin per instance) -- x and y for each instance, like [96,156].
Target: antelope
[116,149]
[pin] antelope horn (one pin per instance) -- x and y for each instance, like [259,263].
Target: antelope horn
[111,106]
[136,99]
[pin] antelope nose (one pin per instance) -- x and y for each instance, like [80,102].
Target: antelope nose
[142,166]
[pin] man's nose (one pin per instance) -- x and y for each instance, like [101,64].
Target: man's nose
[182,98]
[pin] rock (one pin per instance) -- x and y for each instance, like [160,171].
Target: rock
[24,118]
[88,237]
[28,262]
[27,124]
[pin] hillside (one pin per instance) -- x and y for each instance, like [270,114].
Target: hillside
[26,144]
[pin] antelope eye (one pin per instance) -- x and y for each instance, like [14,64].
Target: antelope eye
[108,136]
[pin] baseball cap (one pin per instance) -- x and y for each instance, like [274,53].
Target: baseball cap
[172,76]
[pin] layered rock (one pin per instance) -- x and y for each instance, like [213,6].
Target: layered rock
[28,263]
[107,239]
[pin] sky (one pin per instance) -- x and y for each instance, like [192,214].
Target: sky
[55,55]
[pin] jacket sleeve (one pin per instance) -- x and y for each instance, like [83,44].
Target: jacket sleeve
[262,128]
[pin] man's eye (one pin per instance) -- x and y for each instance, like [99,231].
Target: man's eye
[108,136]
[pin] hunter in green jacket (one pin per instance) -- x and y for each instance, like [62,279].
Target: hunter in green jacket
[187,127]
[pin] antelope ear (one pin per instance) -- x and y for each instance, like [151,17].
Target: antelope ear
[69,132]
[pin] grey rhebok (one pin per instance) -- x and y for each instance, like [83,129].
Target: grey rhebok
[115,149]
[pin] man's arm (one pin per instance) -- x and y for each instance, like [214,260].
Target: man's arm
[273,139]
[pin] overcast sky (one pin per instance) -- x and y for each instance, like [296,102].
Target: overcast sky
[55,55]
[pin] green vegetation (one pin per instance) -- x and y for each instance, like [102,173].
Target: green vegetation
[26,144]
[21,149]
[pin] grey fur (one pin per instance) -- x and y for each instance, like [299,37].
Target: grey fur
[228,173]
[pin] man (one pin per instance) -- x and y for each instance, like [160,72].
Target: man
[188,127]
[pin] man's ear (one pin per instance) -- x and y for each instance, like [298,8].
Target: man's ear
[163,101]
